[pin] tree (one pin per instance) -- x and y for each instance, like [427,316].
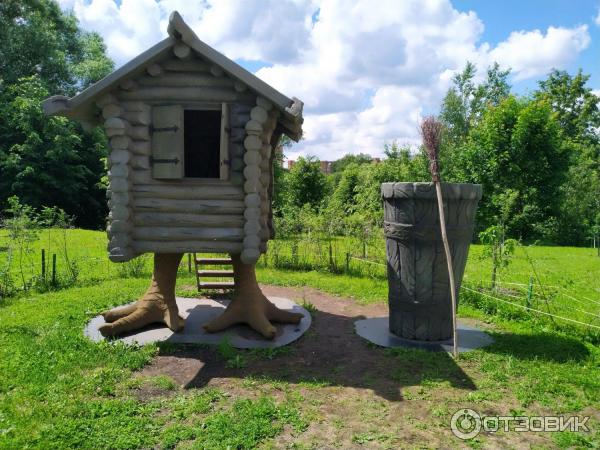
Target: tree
[279,176]
[456,107]
[350,158]
[574,103]
[465,101]
[463,108]
[577,110]
[496,245]
[400,165]
[49,161]
[37,38]
[343,201]
[517,145]
[306,183]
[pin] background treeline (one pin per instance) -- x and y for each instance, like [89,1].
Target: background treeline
[537,157]
[49,161]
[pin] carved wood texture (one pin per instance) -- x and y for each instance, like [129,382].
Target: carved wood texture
[419,288]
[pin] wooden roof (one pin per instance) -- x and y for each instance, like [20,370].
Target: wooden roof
[81,106]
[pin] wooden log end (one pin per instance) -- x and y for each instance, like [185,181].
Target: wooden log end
[154,70]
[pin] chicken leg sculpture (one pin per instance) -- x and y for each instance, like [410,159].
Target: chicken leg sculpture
[248,305]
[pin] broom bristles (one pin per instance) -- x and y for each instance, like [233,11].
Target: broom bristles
[431,132]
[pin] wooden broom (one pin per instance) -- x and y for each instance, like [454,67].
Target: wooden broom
[431,132]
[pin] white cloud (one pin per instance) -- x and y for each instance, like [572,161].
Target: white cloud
[532,53]
[597,19]
[249,29]
[366,71]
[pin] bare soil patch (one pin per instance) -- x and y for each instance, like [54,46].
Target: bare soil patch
[356,395]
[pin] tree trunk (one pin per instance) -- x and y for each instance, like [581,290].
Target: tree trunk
[157,305]
[250,306]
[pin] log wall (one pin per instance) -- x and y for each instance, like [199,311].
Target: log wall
[187,215]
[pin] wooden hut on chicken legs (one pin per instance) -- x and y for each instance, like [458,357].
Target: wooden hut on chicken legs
[192,137]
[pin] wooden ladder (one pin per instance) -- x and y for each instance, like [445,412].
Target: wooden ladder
[217,273]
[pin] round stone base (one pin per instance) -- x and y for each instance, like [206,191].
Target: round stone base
[197,312]
[376,330]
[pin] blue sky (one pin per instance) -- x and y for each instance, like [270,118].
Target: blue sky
[367,71]
[503,17]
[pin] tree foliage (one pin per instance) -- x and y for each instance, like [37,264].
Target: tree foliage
[351,158]
[49,161]
[305,183]
[545,146]
[536,157]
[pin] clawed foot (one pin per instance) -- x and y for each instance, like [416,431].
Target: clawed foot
[257,312]
[142,313]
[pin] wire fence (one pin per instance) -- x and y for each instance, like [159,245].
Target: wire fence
[534,310]
[347,256]
[52,264]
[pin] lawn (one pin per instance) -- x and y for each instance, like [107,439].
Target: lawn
[59,390]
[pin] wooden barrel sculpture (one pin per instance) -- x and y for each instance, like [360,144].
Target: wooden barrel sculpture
[419,288]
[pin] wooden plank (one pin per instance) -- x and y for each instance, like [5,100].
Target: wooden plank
[215,273]
[216,285]
[224,160]
[183,192]
[184,234]
[189,206]
[192,65]
[167,142]
[129,69]
[186,220]
[183,79]
[145,246]
[214,261]
[172,94]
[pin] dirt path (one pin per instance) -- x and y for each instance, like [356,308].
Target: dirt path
[356,394]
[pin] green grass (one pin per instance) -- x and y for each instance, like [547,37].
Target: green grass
[565,279]
[60,390]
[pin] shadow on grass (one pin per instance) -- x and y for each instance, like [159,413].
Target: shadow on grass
[545,346]
[329,354]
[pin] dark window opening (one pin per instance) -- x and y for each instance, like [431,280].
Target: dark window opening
[202,143]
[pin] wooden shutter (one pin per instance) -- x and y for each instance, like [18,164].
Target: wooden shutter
[167,142]
[224,148]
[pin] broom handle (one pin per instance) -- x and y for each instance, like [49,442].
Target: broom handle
[438,190]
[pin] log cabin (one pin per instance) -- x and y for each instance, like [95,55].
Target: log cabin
[192,137]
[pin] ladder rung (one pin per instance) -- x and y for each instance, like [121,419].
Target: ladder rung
[216,285]
[213,261]
[215,273]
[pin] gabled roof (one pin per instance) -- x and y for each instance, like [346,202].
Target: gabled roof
[81,106]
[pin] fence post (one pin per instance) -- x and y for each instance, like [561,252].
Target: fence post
[44,264]
[53,268]
[529,292]
[364,249]
[189,262]
[347,262]
[330,257]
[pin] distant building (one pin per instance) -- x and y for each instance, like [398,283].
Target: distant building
[326,166]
